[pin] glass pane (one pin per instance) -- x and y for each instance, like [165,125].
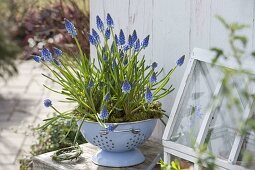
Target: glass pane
[193,108]
[227,121]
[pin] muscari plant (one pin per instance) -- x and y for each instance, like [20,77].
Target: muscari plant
[116,86]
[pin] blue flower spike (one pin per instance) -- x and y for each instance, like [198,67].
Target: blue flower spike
[105,58]
[107,34]
[116,40]
[137,45]
[37,58]
[130,41]
[134,36]
[148,95]
[145,42]
[47,103]
[109,21]
[104,113]
[96,36]
[70,28]
[107,97]
[153,78]
[126,87]
[154,65]
[100,24]
[46,54]
[180,61]
[57,52]
[92,40]
[121,38]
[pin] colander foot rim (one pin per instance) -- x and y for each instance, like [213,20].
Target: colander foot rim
[118,159]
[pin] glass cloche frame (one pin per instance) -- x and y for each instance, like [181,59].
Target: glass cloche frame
[200,114]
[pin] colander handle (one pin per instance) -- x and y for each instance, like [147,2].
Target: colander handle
[134,131]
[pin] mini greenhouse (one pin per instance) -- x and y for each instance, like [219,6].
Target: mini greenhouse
[201,114]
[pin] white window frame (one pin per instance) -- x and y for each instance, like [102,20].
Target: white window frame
[187,153]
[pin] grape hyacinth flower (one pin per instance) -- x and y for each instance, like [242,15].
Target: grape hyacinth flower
[107,97]
[126,47]
[109,21]
[104,113]
[153,78]
[70,28]
[92,40]
[112,48]
[57,52]
[96,36]
[100,24]
[137,45]
[37,58]
[148,95]
[145,42]
[125,62]
[126,87]
[154,65]
[46,54]
[47,103]
[105,58]
[130,41]
[107,33]
[180,61]
[134,37]
[116,40]
[121,38]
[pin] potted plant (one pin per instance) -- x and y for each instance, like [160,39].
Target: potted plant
[117,93]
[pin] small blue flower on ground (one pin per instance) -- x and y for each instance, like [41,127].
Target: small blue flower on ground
[107,97]
[126,87]
[92,40]
[148,95]
[145,42]
[180,61]
[100,24]
[121,37]
[70,28]
[154,65]
[110,127]
[104,113]
[137,45]
[107,33]
[153,78]
[57,52]
[109,20]
[37,58]
[47,103]
[96,36]
[46,54]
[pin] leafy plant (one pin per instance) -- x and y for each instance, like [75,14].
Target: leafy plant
[116,86]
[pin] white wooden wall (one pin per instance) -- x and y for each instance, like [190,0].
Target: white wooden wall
[176,27]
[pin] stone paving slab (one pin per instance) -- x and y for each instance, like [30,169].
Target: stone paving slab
[21,107]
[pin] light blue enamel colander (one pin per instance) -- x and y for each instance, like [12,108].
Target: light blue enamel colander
[118,147]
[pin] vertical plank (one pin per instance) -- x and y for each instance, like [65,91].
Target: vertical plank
[233,11]
[200,23]
[171,20]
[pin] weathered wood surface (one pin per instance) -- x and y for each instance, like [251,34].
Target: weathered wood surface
[44,162]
